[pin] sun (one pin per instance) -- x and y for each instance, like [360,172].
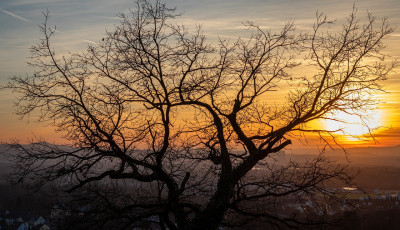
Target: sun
[351,126]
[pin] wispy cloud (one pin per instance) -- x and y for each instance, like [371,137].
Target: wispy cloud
[92,42]
[31,2]
[15,16]
[112,18]
[225,36]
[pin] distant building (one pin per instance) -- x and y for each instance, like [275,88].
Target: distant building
[9,221]
[23,226]
[39,221]
[59,212]
[45,227]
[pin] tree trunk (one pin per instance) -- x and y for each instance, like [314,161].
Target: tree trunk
[213,214]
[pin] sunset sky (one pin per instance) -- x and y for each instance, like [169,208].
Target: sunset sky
[80,23]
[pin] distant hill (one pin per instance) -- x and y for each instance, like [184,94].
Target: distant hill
[379,167]
[361,156]
[370,159]
[5,164]
[371,156]
[392,150]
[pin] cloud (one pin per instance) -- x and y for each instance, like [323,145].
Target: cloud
[31,2]
[15,16]
[112,18]
[385,132]
[92,42]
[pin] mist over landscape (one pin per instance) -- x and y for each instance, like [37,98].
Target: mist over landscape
[377,171]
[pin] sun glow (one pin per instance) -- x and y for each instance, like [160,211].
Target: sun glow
[352,126]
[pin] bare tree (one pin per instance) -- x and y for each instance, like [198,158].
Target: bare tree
[168,129]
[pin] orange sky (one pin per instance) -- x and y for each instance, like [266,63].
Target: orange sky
[82,22]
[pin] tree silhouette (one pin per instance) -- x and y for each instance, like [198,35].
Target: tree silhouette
[168,129]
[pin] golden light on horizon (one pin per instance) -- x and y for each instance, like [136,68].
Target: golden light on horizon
[352,128]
